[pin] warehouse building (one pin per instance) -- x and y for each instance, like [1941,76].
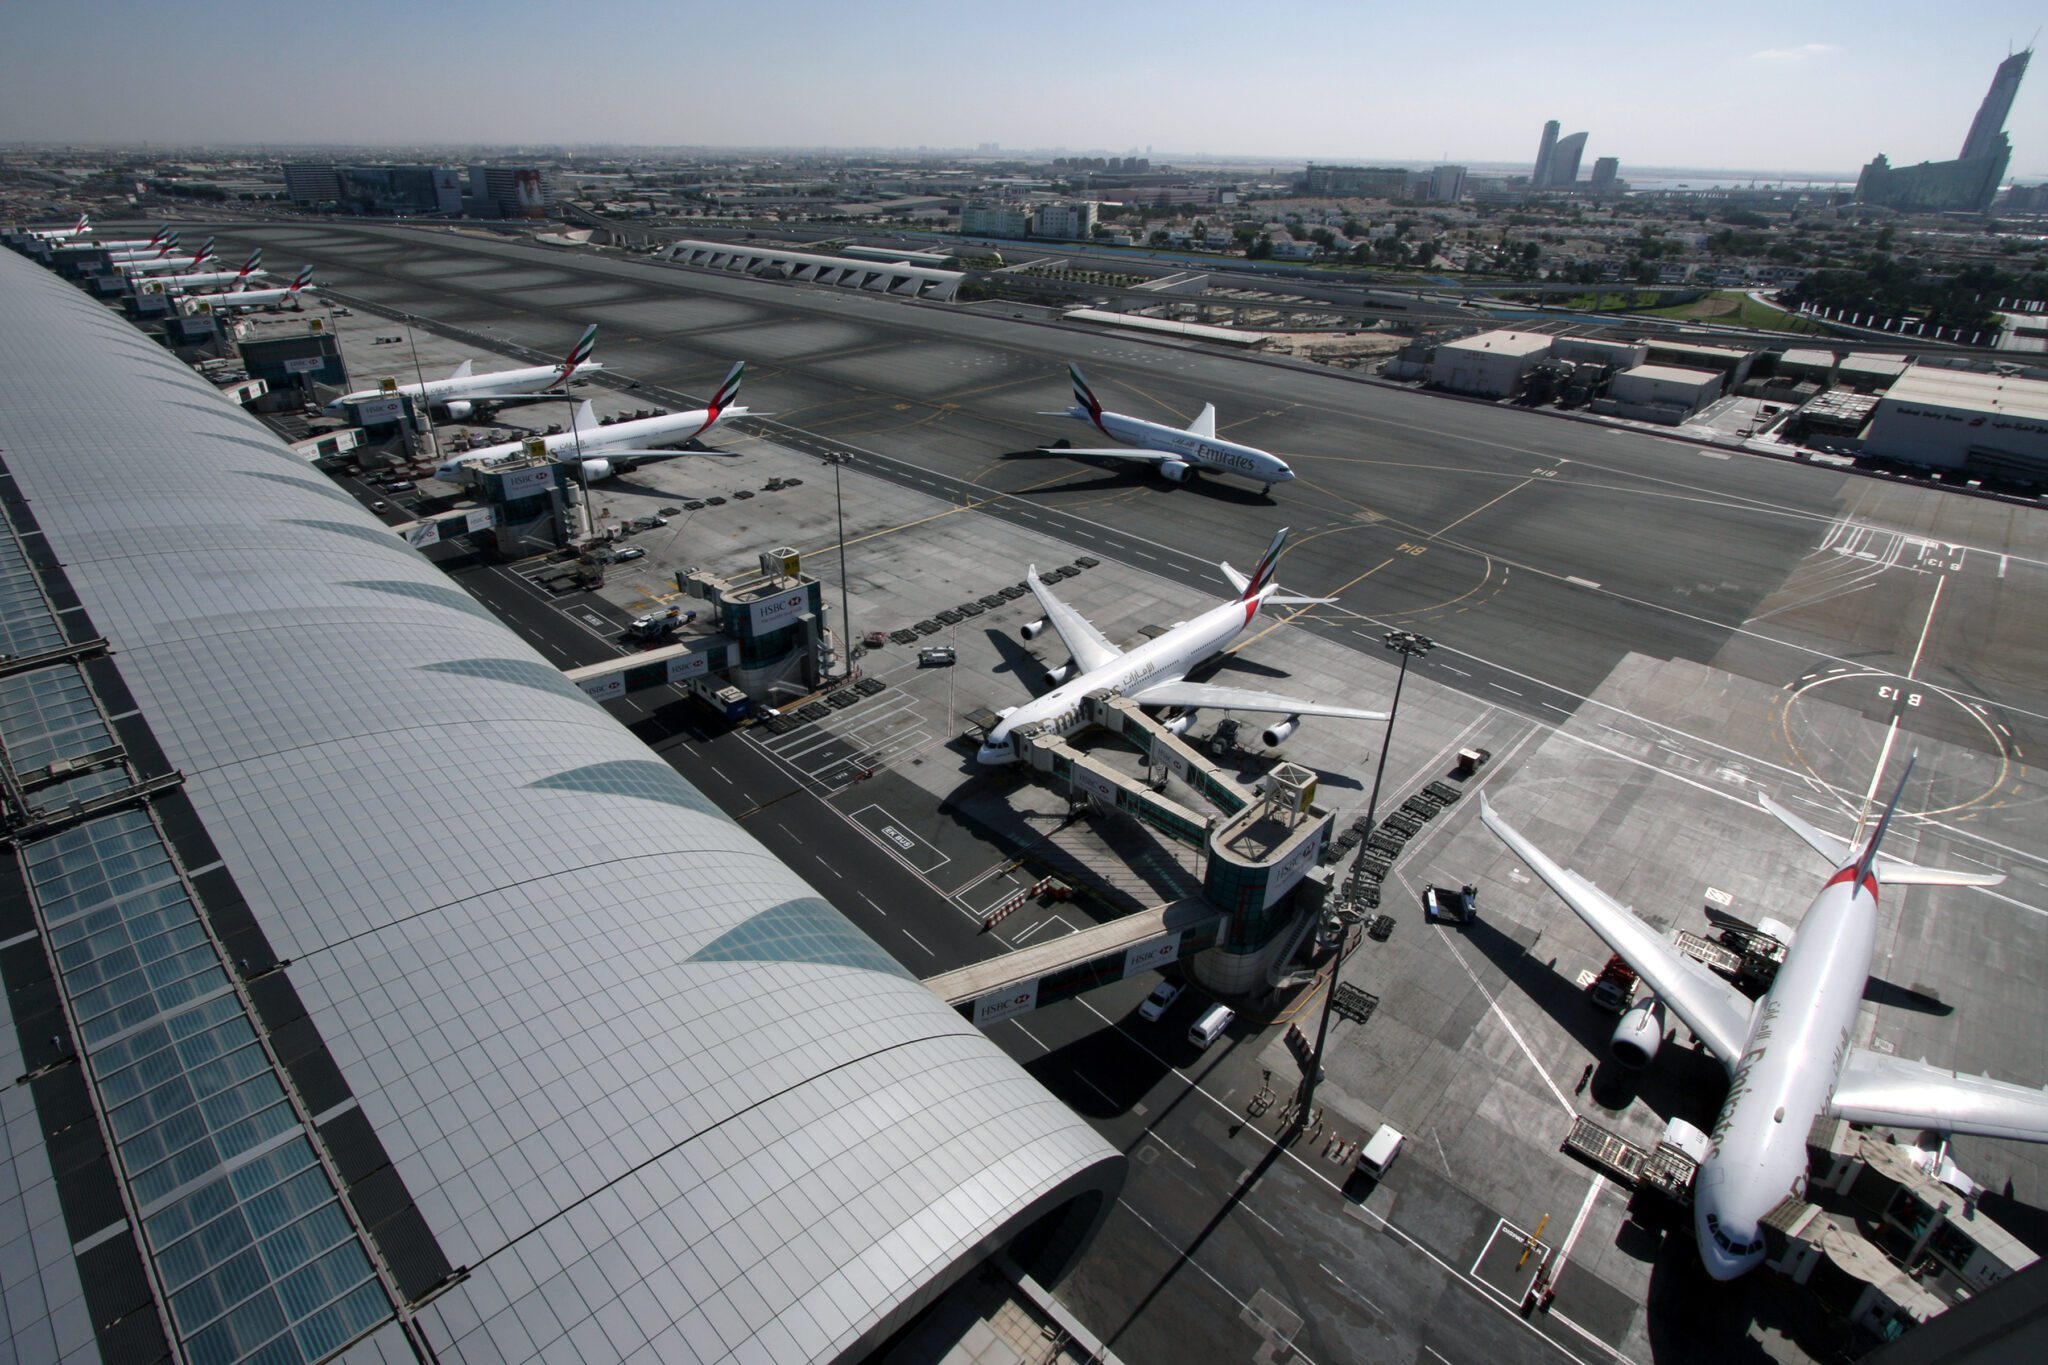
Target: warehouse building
[1659,393]
[1490,365]
[377,993]
[1988,425]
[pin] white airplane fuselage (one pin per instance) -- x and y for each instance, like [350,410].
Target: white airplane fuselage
[1197,452]
[589,442]
[253,298]
[205,279]
[149,263]
[1162,659]
[1798,1038]
[132,244]
[500,384]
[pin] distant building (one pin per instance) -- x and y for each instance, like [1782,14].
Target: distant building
[1544,151]
[1955,419]
[1564,162]
[1073,220]
[994,220]
[312,183]
[1967,184]
[1373,182]
[1606,171]
[1447,184]
[1987,130]
[510,192]
[1490,365]
[2025,199]
[375,189]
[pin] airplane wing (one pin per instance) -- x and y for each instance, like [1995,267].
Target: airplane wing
[1181,693]
[1090,648]
[1890,871]
[1875,1088]
[1715,1011]
[1205,424]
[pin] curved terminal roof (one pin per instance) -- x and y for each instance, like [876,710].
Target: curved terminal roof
[638,1083]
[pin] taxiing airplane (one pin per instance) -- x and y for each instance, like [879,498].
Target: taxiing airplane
[1176,455]
[205,279]
[237,299]
[603,451]
[1788,1055]
[172,260]
[163,234]
[459,394]
[62,234]
[1155,673]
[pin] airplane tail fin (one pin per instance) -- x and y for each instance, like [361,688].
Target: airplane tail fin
[1841,853]
[728,389]
[579,354]
[1262,575]
[255,259]
[84,223]
[303,280]
[586,416]
[1084,396]
[158,236]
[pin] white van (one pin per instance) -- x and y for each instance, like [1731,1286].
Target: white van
[1379,1151]
[1210,1026]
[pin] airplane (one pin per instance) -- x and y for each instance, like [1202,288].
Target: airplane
[603,451]
[77,229]
[236,299]
[1788,1055]
[1176,455]
[185,261]
[1155,673]
[460,393]
[204,280]
[165,252]
[132,244]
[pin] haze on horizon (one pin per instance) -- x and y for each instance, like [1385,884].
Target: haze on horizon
[1817,87]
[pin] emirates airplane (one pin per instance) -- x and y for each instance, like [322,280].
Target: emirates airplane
[1176,455]
[163,234]
[167,258]
[205,279]
[64,234]
[1788,1054]
[1155,672]
[236,300]
[461,392]
[602,451]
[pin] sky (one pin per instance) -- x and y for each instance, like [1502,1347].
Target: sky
[1817,86]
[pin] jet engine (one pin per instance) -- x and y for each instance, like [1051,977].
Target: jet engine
[1033,629]
[1276,734]
[459,410]
[1638,1035]
[1174,471]
[596,471]
[1055,676]
[1179,724]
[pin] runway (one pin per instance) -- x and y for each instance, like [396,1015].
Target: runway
[1537,551]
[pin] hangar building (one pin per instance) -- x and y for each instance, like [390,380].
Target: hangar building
[1988,424]
[379,996]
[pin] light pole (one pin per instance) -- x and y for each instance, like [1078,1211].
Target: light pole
[421,441]
[1408,645]
[837,458]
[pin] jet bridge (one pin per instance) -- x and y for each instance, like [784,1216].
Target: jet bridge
[1256,850]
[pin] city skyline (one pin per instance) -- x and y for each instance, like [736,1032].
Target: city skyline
[1820,91]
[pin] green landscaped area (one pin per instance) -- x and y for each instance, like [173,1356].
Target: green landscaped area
[1732,308]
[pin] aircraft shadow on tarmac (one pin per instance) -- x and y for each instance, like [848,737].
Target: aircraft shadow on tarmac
[1117,476]
[1879,991]
[1683,1082]
[1018,661]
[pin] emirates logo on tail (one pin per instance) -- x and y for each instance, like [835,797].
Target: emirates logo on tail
[728,391]
[1262,576]
[579,353]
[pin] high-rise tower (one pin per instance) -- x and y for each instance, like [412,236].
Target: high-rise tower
[1564,161]
[1991,114]
[1541,175]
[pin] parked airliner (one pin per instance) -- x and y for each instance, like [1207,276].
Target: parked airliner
[77,229]
[603,451]
[1788,1055]
[458,395]
[1155,672]
[163,234]
[237,299]
[205,279]
[1176,455]
[167,259]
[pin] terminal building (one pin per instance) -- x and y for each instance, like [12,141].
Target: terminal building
[1985,424]
[376,995]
